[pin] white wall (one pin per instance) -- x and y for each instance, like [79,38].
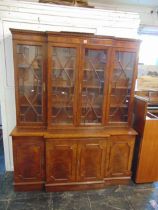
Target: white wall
[34,16]
[142,7]
[129,2]
[144,11]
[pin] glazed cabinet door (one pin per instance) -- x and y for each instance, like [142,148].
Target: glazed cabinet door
[93,86]
[120,153]
[29,161]
[91,160]
[29,59]
[63,80]
[60,161]
[122,85]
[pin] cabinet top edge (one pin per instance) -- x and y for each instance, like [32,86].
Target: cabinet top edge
[58,133]
[71,34]
[23,31]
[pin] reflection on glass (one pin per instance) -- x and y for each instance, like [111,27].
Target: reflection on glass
[93,86]
[63,78]
[29,65]
[121,86]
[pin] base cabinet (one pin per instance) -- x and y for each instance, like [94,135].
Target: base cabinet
[61,164]
[29,163]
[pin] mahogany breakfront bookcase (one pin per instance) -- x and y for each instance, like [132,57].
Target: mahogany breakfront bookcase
[74,102]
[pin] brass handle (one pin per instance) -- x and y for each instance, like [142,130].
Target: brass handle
[44,87]
[80,88]
[109,92]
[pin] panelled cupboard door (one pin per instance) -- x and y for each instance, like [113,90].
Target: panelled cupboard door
[60,161]
[119,157]
[122,85]
[28,159]
[93,85]
[63,80]
[91,160]
[30,78]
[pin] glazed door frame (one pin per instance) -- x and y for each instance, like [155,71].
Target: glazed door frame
[44,81]
[107,68]
[49,93]
[131,98]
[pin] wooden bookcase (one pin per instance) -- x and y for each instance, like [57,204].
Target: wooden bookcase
[74,102]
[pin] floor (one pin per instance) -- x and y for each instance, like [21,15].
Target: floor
[130,197]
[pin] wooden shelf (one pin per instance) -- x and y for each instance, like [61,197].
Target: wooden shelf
[62,105]
[28,105]
[118,106]
[120,87]
[91,70]
[94,106]
[23,66]
[118,96]
[58,106]
[61,69]
[90,123]
[126,69]
[92,86]
[83,117]
[28,66]
[26,85]
[69,117]
[62,86]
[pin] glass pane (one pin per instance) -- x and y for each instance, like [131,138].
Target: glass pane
[93,86]
[30,67]
[121,86]
[63,78]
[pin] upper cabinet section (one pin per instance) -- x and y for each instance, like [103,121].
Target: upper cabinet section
[73,80]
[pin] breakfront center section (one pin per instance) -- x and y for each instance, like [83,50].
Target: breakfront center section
[77,90]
